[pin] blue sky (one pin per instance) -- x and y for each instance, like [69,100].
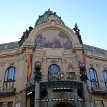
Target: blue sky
[91,16]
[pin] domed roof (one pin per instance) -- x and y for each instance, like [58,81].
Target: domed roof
[45,17]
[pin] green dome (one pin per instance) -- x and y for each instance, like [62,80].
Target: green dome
[44,18]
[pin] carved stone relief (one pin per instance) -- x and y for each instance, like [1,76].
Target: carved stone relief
[53,60]
[104,67]
[98,65]
[2,64]
[91,65]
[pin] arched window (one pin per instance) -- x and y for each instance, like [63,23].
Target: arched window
[92,76]
[105,77]
[10,74]
[54,72]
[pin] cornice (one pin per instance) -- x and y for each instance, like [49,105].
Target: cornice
[94,56]
[11,53]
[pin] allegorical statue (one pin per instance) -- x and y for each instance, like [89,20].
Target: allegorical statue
[83,76]
[37,73]
[77,32]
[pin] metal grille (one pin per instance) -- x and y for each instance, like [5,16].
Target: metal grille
[6,104]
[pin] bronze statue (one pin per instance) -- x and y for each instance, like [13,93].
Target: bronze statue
[37,73]
[77,32]
[83,76]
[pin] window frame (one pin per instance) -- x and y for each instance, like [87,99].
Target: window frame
[54,75]
[105,77]
[8,72]
[93,80]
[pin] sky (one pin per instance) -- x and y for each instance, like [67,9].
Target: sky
[91,16]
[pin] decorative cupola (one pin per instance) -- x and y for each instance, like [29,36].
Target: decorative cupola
[47,16]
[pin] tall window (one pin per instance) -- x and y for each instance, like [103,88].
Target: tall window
[54,72]
[10,74]
[105,77]
[92,76]
[10,77]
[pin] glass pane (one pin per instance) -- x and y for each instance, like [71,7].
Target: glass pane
[54,72]
[105,75]
[54,69]
[92,77]
[94,84]
[10,74]
[106,84]
[92,74]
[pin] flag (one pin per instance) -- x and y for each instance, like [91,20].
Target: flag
[84,58]
[29,65]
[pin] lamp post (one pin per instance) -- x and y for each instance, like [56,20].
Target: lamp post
[37,78]
[84,78]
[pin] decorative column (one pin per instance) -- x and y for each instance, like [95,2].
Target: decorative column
[50,102]
[75,99]
[86,95]
[28,57]
[37,78]
[37,94]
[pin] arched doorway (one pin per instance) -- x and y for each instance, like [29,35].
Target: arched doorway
[64,104]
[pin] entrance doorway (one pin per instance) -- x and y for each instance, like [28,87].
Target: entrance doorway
[64,104]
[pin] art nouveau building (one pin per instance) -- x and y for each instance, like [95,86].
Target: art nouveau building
[61,52]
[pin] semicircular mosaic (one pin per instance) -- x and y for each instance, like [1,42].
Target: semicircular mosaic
[53,39]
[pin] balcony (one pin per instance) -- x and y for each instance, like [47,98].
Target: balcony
[7,91]
[98,90]
[69,76]
[56,81]
[66,81]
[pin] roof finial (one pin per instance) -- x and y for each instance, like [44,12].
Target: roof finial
[76,28]
[49,9]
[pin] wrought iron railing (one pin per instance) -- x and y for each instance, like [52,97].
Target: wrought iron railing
[7,90]
[52,77]
[61,77]
[99,90]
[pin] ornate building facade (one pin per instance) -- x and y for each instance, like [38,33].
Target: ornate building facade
[51,67]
